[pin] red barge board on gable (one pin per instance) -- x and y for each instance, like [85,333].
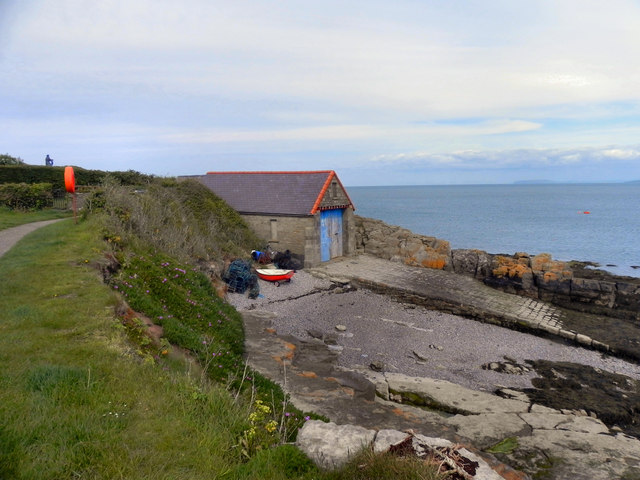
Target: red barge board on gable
[309,213]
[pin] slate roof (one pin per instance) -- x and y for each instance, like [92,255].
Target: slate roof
[283,193]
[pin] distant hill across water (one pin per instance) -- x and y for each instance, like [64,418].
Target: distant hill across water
[549,182]
[533,182]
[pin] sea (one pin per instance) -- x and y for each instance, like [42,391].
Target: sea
[597,223]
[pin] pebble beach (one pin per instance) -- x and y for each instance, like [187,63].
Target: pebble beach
[409,339]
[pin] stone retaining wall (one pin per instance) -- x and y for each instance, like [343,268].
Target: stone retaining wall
[566,284]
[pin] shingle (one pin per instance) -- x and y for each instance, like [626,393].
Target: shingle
[285,193]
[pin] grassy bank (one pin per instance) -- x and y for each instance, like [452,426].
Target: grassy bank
[86,393]
[78,398]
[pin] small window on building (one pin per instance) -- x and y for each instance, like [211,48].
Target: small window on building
[334,190]
[274,230]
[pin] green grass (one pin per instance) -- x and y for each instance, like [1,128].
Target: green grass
[77,400]
[506,446]
[12,218]
[85,394]
[182,300]
[369,466]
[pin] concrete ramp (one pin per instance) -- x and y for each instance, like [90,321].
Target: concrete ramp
[452,293]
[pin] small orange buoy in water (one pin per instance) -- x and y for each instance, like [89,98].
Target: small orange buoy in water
[586,212]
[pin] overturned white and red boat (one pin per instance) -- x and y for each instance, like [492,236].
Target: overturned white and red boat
[275,275]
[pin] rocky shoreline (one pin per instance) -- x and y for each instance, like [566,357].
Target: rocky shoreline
[574,285]
[379,333]
[410,338]
[419,330]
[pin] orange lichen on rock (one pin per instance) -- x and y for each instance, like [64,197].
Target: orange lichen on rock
[291,347]
[541,262]
[443,247]
[349,391]
[427,260]
[437,263]
[410,260]
[552,269]
[287,355]
[430,257]
[403,413]
[510,267]
[307,374]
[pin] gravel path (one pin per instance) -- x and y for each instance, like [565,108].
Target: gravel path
[10,236]
[379,328]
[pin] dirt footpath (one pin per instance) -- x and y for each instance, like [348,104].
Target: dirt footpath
[11,236]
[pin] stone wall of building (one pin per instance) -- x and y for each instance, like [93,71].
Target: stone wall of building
[301,235]
[335,196]
[349,232]
[281,232]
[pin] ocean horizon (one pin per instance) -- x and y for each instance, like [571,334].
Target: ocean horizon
[590,222]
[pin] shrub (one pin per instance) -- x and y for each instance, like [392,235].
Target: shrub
[23,196]
[21,172]
[182,300]
[6,159]
[157,233]
[183,219]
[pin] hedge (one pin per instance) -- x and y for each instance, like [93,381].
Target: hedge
[55,175]
[23,196]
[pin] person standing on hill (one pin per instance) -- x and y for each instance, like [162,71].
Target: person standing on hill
[48,161]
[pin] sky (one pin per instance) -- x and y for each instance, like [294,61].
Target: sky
[383,92]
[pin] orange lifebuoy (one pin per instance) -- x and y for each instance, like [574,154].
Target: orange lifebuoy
[69,180]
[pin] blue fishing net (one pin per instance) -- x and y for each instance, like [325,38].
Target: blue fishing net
[239,278]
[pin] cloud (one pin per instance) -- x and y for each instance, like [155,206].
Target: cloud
[353,132]
[530,158]
[453,84]
[332,132]
[433,61]
[621,154]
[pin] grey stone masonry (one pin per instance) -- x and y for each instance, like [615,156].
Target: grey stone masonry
[457,294]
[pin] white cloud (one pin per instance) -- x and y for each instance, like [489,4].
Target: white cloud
[352,132]
[333,132]
[356,81]
[622,154]
[448,67]
[531,158]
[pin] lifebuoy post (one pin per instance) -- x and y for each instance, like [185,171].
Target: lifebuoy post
[70,187]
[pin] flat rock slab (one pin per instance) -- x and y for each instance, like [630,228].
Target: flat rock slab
[330,446]
[450,397]
[466,296]
[306,371]
[487,430]
[582,456]
[548,442]
[564,422]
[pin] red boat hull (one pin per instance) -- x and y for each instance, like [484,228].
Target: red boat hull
[276,276]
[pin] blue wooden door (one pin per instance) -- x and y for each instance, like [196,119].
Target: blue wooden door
[330,234]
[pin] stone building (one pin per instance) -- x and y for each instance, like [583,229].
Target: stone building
[308,213]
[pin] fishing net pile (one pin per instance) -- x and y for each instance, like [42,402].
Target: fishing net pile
[239,278]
